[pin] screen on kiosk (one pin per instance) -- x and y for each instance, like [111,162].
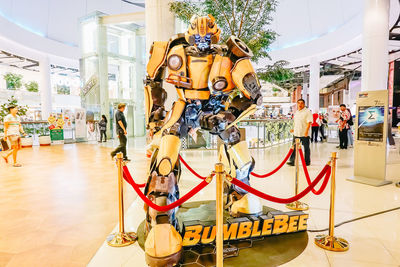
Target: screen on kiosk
[370,123]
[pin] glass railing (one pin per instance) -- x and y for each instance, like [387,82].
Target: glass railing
[259,133]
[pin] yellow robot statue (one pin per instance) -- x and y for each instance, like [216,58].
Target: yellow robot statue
[206,76]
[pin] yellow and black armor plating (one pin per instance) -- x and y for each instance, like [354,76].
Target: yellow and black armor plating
[206,76]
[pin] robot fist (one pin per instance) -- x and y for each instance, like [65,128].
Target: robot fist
[158,114]
[215,123]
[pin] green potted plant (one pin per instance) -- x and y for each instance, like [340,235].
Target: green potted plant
[44,136]
[13,81]
[32,86]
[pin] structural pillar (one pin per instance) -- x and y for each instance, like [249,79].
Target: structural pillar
[313,91]
[375,45]
[140,66]
[304,93]
[160,26]
[160,22]
[45,87]
[103,94]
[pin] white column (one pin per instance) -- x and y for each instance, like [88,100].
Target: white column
[45,87]
[304,92]
[140,67]
[160,26]
[375,45]
[313,91]
[160,22]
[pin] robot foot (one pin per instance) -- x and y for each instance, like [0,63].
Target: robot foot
[248,204]
[163,246]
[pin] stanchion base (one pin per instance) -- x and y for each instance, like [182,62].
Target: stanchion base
[297,205]
[121,239]
[331,243]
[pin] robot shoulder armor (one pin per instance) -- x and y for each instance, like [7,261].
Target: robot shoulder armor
[158,53]
[238,48]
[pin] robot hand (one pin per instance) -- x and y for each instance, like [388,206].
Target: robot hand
[158,114]
[216,123]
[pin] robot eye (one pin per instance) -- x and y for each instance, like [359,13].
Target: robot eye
[175,62]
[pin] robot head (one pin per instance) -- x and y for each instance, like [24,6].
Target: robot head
[202,32]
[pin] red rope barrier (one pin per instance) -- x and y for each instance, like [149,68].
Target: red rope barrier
[282,200]
[325,182]
[190,169]
[128,177]
[168,207]
[277,168]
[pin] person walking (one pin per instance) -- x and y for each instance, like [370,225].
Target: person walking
[315,127]
[12,130]
[103,128]
[121,125]
[302,123]
[343,126]
[324,122]
[350,130]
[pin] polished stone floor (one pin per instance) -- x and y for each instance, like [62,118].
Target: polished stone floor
[58,208]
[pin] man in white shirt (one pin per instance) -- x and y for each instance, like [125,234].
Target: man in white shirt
[302,122]
[12,129]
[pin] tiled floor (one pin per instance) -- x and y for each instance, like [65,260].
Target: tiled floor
[58,208]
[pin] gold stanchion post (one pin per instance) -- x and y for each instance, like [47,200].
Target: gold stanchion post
[330,242]
[219,240]
[297,205]
[120,238]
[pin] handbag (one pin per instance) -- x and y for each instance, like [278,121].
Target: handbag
[4,144]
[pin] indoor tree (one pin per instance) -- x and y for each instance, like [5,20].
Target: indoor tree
[276,73]
[246,19]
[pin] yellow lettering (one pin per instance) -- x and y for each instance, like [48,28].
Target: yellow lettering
[192,235]
[280,224]
[230,231]
[302,222]
[267,227]
[244,230]
[206,238]
[293,224]
[255,231]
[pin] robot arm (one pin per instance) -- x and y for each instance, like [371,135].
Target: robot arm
[243,74]
[155,95]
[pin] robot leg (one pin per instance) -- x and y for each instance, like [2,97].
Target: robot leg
[239,164]
[163,244]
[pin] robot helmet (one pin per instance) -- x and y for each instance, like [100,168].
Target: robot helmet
[202,32]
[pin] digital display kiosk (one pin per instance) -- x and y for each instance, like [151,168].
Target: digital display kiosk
[371,133]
